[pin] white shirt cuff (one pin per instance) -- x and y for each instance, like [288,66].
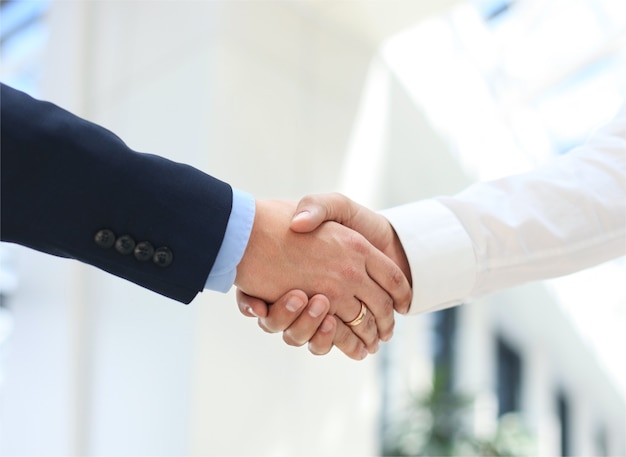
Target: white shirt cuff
[439,251]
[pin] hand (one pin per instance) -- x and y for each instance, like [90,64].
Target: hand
[313,210]
[302,320]
[281,317]
[330,259]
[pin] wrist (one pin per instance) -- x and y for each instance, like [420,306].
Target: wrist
[250,256]
[258,273]
[397,254]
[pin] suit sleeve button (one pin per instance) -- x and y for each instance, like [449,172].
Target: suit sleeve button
[104,238]
[143,251]
[163,257]
[125,244]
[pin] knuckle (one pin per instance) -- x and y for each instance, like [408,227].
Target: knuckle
[335,198]
[400,287]
[351,272]
[370,327]
[397,277]
[370,334]
[350,346]
[356,242]
[307,200]
[341,339]
[332,289]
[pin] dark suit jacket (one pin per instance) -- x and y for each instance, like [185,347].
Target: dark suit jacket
[74,189]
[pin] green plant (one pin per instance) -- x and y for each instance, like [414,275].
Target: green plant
[436,424]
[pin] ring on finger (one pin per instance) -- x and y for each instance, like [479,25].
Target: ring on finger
[360,318]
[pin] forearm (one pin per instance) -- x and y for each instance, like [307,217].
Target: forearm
[64,179]
[556,220]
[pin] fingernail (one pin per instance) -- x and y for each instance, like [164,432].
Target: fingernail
[387,337]
[301,215]
[251,311]
[316,309]
[363,353]
[374,349]
[293,304]
[326,326]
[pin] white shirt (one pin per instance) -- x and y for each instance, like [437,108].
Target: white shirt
[558,219]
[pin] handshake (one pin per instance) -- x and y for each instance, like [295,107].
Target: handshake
[327,271]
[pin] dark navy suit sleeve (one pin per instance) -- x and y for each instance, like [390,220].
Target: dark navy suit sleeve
[74,189]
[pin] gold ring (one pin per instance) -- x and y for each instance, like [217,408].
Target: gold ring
[359,318]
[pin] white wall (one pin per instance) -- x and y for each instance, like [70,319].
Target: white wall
[266,96]
[275,99]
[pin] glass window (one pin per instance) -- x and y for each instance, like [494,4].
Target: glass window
[444,341]
[23,36]
[563,412]
[512,83]
[493,10]
[509,378]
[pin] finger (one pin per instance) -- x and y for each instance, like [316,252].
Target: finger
[284,312]
[307,324]
[380,309]
[312,210]
[347,342]
[322,342]
[389,277]
[251,306]
[366,329]
[368,290]
[396,253]
[315,209]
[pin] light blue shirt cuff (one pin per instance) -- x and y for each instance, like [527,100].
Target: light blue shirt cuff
[224,271]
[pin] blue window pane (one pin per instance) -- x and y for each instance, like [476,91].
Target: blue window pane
[17,14]
[493,9]
[23,35]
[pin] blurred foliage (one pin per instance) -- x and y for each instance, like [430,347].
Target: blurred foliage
[438,424]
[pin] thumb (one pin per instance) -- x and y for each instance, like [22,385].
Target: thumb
[311,212]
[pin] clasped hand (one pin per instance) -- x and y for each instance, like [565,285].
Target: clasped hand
[335,259]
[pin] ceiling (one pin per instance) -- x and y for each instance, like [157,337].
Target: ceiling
[373,20]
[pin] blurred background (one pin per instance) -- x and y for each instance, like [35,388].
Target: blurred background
[388,101]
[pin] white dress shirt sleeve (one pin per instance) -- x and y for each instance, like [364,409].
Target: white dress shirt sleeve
[558,219]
